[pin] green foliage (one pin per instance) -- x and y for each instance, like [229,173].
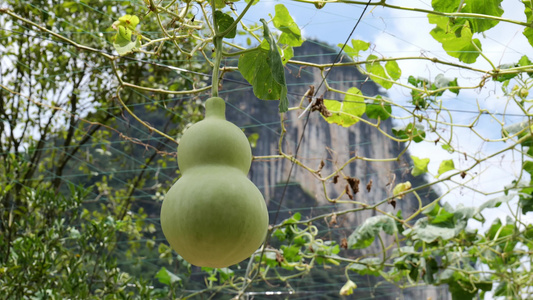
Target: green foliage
[420,165]
[378,109]
[383,76]
[456,38]
[412,131]
[347,288]
[528,10]
[445,166]
[357,46]
[290,32]
[365,234]
[125,28]
[223,22]
[263,69]
[347,112]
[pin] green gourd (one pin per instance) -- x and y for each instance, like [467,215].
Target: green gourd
[214,216]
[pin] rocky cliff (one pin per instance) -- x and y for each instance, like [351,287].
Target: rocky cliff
[322,142]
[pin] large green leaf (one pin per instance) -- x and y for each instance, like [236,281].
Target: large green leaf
[290,32]
[365,234]
[441,223]
[456,38]
[223,22]
[347,112]
[445,5]
[485,7]
[528,31]
[256,70]
[428,233]
[263,69]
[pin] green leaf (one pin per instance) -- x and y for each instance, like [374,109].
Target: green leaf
[456,39]
[400,188]
[347,112]
[263,69]
[526,200]
[459,293]
[123,39]
[495,202]
[485,7]
[431,268]
[428,233]
[276,67]
[288,53]
[505,77]
[357,46]
[393,70]
[223,22]
[219,4]
[367,266]
[442,82]
[124,46]
[225,274]
[124,33]
[377,72]
[378,109]
[252,139]
[347,288]
[290,32]
[364,235]
[420,165]
[528,11]
[412,131]
[445,166]
[525,62]
[291,253]
[129,21]
[445,5]
[166,277]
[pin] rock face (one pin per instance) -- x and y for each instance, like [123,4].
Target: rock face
[322,142]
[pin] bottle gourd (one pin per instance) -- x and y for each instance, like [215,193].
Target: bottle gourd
[214,216]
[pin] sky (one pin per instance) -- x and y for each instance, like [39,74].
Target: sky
[398,33]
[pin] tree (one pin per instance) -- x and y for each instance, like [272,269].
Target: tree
[432,246]
[60,105]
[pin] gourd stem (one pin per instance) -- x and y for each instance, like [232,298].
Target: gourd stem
[217,41]
[216,66]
